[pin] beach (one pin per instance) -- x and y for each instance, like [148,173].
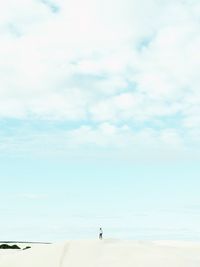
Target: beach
[105,253]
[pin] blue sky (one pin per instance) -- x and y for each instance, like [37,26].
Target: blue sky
[99,119]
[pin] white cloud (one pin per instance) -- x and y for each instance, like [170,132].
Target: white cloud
[105,62]
[133,106]
[109,136]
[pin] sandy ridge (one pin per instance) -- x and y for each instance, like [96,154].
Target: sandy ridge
[106,253]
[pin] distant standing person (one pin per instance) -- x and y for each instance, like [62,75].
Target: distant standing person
[100,233]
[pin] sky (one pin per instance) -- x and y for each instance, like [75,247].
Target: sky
[99,119]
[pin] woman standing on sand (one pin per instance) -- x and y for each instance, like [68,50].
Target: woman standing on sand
[100,233]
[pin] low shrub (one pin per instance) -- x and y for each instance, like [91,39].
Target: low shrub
[6,246]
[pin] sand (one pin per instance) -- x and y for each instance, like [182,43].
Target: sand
[105,253]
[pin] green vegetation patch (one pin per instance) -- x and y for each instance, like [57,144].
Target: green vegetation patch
[6,246]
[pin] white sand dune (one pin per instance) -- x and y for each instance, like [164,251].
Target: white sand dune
[106,253]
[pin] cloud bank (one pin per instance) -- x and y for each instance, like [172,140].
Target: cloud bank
[125,73]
